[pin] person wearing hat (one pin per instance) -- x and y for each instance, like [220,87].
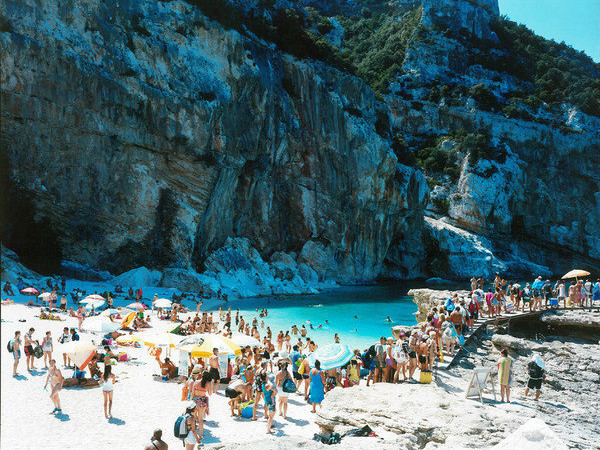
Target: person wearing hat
[193,437]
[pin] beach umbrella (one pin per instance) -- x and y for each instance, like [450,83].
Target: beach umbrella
[129,339]
[95,304]
[193,339]
[101,325]
[30,291]
[136,305]
[244,341]
[80,352]
[92,297]
[163,340]
[225,346]
[113,312]
[576,273]
[162,303]
[331,356]
[45,296]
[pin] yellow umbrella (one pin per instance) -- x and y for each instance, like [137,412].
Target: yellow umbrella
[575,274]
[129,339]
[225,345]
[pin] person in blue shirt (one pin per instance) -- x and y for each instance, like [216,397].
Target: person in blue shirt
[536,288]
[449,306]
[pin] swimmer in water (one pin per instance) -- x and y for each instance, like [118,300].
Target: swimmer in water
[326,322]
[356,317]
[388,319]
[311,327]
[356,329]
[320,325]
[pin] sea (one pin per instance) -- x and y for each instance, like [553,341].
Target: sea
[359,314]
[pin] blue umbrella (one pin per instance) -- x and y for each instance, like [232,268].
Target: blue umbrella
[331,356]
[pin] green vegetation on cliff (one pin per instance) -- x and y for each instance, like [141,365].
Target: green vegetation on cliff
[558,72]
[377,43]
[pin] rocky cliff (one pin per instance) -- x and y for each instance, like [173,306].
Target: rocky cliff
[147,134]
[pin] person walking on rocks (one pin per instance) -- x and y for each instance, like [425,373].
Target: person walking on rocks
[536,369]
[505,375]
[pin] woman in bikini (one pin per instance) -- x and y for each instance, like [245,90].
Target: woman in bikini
[108,386]
[199,394]
[56,381]
[279,341]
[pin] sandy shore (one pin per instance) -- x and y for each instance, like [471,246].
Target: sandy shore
[141,403]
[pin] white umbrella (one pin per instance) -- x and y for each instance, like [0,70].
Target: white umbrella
[80,352]
[193,339]
[575,274]
[113,311]
[95,304]
[244,341]
[101,325]
[45,296]
[92,298]
[163,340]
[162,303]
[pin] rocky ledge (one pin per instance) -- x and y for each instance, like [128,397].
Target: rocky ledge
[429,298]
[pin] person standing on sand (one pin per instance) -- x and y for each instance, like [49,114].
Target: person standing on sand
[48,348]
[282,375]
[80,317]
[193,438]
[572,295]
[56,382]
[536,369]
[16,351]
[63,339]
[215,375]
[379,359]
[29,349]
[156,442]
[108,387]
[505,375]
[561,293]
[317,386]
[269,393]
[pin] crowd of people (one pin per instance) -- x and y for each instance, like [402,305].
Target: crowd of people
[260,380]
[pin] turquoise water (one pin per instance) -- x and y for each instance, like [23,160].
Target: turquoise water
[371,304]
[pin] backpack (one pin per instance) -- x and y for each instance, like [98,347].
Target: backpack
[181,428]
[535,371]
[9,346]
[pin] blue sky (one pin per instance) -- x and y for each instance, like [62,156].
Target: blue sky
[577,22]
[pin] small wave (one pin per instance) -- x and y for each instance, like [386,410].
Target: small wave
[315,306]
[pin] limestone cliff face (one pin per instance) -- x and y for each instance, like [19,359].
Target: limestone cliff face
[147,135]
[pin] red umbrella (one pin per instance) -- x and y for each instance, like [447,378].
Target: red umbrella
[30,291]
[136,305]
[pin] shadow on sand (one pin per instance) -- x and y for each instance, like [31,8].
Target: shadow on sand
[209,438]
[115,421]
[62,417]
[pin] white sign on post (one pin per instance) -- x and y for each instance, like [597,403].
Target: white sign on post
[482,381]
[183,363]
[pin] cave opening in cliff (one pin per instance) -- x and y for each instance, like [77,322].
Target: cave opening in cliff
[30,237]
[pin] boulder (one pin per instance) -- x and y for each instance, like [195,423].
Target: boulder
[429,298]
[139,277]
[84,272]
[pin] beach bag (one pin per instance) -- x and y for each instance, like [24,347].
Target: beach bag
[181,428]
[329,438]
[425,376]
[9,346]
[38,352]
[288,386]
[301,367]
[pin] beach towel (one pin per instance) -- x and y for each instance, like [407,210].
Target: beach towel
[504,370]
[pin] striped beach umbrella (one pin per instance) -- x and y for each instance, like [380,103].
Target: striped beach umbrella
[204,350]
[331,356]
[92,298]
[136,306]
[163,340]
[129,339]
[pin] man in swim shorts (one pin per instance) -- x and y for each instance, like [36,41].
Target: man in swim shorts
[215,375]
[16,350]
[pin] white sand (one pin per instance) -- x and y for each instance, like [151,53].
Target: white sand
[141,403]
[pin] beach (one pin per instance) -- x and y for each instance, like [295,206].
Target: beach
[141,403]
